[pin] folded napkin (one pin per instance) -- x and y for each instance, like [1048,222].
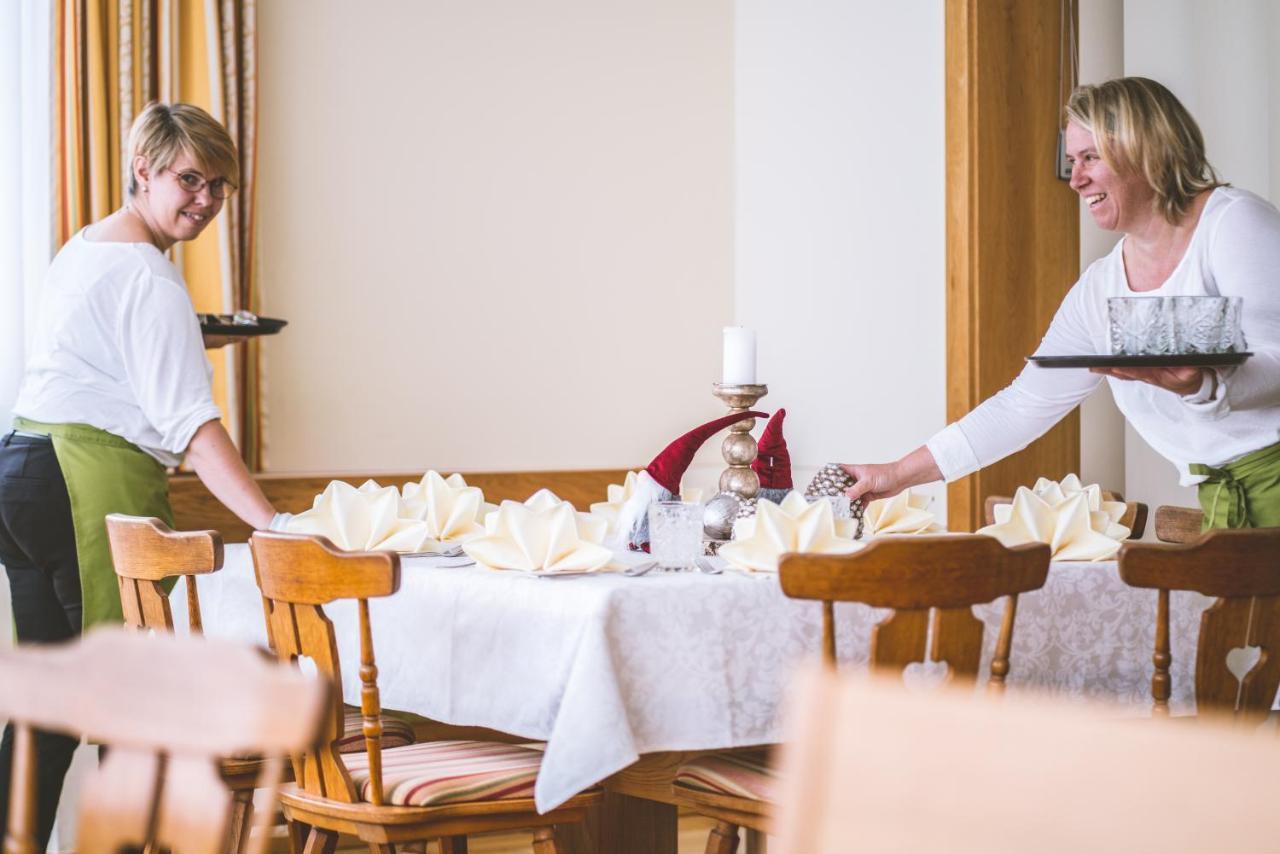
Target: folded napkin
[905,513]
[1104,516]
[362,519]
[453,512]
[1074,520]
[544,534]
[795,525]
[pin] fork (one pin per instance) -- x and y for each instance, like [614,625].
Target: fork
[707,567]
[639,569]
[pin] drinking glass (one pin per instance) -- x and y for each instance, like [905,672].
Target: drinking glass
[1199,323]
[675,533]
[1232,335]
[840,507]
[1141,326]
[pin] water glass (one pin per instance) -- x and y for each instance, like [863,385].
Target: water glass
[675,533]
[1199,323]
[1141,326]
[1232,334]
[840,506]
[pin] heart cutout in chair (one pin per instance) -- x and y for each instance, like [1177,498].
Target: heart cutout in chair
[1242,659]
[925,676]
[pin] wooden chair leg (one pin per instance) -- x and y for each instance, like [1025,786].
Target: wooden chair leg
[241,819]
[544,841]
[757,842]
[298,833]
[453,845]
[376,848]
[723,838]
[321,842]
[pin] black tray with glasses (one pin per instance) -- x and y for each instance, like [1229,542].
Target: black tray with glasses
[1168,360]
[241,324]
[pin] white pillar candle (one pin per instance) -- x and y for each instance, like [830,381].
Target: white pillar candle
[739,356]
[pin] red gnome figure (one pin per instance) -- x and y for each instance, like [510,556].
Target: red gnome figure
[660,481]
[773,462]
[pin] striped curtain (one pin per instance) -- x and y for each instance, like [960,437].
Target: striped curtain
[112,57]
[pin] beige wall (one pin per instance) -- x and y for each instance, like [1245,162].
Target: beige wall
[502,232]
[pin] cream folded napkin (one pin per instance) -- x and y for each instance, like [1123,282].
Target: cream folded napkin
[453,512]
[619,493]
[904,513]
[544,534]
[363,519]
[795,525]
[1074,520]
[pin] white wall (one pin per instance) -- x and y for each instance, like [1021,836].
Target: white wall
[840,216]
[1102,427]
[502,231]
[1220,60]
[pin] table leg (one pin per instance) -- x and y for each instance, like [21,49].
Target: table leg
[622,824]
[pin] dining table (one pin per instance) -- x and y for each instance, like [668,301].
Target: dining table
[621,676]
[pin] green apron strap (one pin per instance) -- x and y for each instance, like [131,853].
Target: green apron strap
[1244,493]
[104,474]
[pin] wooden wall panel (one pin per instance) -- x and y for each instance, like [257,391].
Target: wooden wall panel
[1013,235]
[194,509]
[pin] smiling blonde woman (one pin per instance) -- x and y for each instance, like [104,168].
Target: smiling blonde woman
[1139,165]
[116,389]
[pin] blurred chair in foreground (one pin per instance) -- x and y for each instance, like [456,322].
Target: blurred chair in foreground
[168,708]
[869,766]
[1238,650]
[931,583]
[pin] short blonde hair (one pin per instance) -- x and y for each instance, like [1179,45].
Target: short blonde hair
[162,132]
[1140,126]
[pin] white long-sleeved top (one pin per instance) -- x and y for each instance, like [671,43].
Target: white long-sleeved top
[1235,251]
[117,346]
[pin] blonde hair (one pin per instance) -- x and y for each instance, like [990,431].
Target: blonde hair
[1140,126]
[162,132]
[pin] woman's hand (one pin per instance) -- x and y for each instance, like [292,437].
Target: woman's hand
[1181,381]
[885,480]
[214,342]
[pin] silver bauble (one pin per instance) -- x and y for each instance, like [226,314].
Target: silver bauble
[718,516]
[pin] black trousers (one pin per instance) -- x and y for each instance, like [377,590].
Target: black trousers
[38,551]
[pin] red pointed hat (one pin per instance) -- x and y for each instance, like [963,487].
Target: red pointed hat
[773,462]
[669,466]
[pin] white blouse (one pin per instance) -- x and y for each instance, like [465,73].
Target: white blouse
[1235,251]
[117,346]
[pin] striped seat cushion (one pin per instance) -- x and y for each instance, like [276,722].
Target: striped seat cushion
[395,732]
[449,772]
[739,775]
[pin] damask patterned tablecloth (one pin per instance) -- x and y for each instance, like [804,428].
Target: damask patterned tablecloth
[606,667]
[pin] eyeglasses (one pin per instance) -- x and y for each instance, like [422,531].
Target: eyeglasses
[194,182]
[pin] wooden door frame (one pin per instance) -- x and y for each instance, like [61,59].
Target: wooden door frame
[1013,228]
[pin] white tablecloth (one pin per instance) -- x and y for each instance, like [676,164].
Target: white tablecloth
[606,667]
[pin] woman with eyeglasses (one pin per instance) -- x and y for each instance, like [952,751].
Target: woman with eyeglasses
[116,390]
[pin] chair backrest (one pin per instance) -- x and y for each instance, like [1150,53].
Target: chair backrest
[868,766]
[1241,568]
[1134,518]
[145,553]
[1178,524]
[297,576]
[917,575]
[169,707]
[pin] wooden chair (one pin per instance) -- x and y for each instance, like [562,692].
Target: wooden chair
[1178,524]
[1134,518]
[168,707]
[445,789]
[931,583]
[867,766]
[1241,568]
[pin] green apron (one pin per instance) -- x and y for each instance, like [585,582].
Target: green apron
[104,474]
[1244,493]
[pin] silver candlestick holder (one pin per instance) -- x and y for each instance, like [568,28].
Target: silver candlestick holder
[739,447]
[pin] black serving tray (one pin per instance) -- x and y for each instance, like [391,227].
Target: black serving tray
[220,324]
[1175,360]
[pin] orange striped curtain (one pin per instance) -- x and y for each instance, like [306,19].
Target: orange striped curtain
[112,57]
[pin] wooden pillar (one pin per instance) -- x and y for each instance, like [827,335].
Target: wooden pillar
[1013,233]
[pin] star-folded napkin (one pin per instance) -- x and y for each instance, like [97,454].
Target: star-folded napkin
[905,513]
[1061,515]
[361,519]
[795,525]
[544,534]
[453,512]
